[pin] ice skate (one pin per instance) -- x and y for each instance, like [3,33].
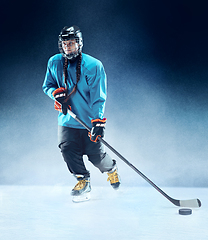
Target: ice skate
[113,177]
[81,191]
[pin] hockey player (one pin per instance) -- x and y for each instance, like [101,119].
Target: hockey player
[77,81]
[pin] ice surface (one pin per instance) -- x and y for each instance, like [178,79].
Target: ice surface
[47,212]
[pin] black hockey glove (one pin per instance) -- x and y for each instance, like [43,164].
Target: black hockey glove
[61,104]
[98,127]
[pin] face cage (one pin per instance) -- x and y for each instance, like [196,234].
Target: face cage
[74,54]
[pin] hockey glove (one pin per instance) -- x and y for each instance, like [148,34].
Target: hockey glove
[98,127]
[61,104]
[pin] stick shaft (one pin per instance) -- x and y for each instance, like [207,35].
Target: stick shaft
[120,156]
[174,201]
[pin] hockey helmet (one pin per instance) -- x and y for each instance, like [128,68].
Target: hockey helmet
[69,33]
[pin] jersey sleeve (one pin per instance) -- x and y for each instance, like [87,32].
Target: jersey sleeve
[49,84]
[98,92]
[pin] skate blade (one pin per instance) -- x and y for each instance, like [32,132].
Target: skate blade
[81,198]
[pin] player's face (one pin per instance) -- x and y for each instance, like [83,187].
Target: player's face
[70,46]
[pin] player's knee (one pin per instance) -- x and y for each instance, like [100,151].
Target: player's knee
[97,158]
[65,147]
[103,162]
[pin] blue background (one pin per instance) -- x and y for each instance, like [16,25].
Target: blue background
[155,56]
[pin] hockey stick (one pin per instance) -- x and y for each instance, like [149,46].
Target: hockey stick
[193,203]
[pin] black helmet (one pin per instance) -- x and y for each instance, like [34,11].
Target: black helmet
[68,33]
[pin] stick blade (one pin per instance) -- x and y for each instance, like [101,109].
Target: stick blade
[192,203]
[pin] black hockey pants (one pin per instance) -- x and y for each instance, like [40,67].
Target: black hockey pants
[74,143]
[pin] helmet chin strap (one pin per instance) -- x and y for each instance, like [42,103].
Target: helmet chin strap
[72,56]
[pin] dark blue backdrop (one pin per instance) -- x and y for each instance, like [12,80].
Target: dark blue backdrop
[155,56]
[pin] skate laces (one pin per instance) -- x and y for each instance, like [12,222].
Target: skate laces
[81,184]
[113,177]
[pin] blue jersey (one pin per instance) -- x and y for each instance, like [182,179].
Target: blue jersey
[89,100]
